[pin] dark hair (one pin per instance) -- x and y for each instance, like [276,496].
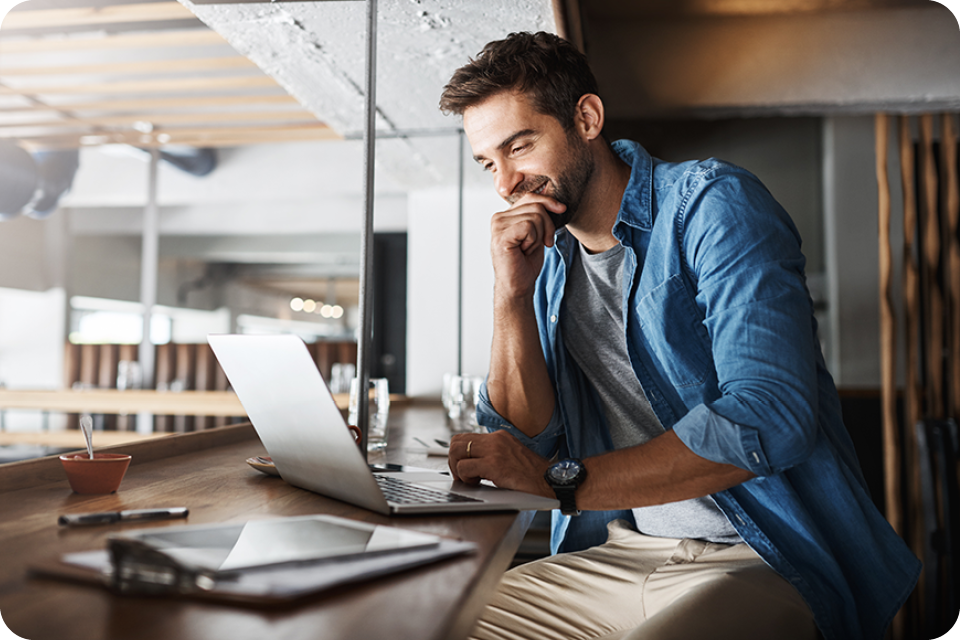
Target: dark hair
[550,70]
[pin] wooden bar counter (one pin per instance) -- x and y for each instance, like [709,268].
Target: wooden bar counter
[188,403]
[206,471]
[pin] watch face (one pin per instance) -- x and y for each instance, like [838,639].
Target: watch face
[565,470]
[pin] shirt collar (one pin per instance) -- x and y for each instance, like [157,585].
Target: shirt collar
[635,208]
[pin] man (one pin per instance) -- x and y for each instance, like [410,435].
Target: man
[655,366]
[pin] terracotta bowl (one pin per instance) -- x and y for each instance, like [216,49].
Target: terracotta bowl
[100,475]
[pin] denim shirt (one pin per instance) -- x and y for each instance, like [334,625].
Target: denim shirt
[720,332]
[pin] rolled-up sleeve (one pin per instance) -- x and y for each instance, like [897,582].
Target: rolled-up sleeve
[715,438]
[744,255]
[543,444]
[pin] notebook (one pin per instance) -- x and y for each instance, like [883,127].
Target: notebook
[302,429]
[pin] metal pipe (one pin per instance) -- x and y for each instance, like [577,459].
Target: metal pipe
[460,254]
[366,234]
[149,257]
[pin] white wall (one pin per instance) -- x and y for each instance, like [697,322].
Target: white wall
[432,285]
[31,338]
[22,254]
[852,247]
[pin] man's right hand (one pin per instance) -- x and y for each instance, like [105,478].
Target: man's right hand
[518,384]
[518,236]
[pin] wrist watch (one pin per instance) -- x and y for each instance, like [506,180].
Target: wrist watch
[564,477]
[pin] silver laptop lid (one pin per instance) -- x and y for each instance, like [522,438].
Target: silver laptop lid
[291,408]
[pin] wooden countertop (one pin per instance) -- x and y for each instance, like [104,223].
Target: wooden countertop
[206,472]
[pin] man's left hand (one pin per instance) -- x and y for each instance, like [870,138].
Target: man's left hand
[500,458]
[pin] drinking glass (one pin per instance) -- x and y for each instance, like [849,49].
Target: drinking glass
[461,398]
[379,409]
[129,375]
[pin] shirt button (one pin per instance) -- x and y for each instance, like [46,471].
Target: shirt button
[553,318]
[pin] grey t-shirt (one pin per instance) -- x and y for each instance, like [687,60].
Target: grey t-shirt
[592,328]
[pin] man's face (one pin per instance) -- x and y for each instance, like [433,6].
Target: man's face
[529,152]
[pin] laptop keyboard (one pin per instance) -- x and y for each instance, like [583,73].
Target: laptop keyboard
[403,492]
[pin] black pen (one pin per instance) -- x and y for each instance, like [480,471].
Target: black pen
[107,517]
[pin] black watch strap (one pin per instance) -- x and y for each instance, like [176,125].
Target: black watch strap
[568,500]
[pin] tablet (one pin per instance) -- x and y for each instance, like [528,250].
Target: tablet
[262,543]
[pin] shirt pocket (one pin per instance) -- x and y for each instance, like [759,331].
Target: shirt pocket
[674,333]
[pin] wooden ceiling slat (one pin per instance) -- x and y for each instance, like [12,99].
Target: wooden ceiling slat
[128,68]
[154,104]
[108,96]
[111,14]
[162,120]
[198,137]
[259,130]
[177,38]
[145,86]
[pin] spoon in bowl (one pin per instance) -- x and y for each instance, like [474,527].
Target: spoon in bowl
[86,425]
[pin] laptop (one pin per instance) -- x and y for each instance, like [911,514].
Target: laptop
[301,427]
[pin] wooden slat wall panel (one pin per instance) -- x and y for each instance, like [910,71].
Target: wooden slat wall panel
[71,364]
[888,336]
[324,358]
[89,364]
[163,376]
[912,527]
[128,353]
[346,352]
[193,365]
[107,373]
[204,380]
[933,294]
[186,369]
[950,201]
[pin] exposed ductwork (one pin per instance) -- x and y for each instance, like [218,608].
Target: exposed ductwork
[32,184]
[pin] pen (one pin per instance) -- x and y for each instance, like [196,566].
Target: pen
[106,517]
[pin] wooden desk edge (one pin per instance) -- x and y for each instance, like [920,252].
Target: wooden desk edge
[465,616]
[30,473]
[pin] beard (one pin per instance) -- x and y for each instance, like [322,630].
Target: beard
[569,186]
